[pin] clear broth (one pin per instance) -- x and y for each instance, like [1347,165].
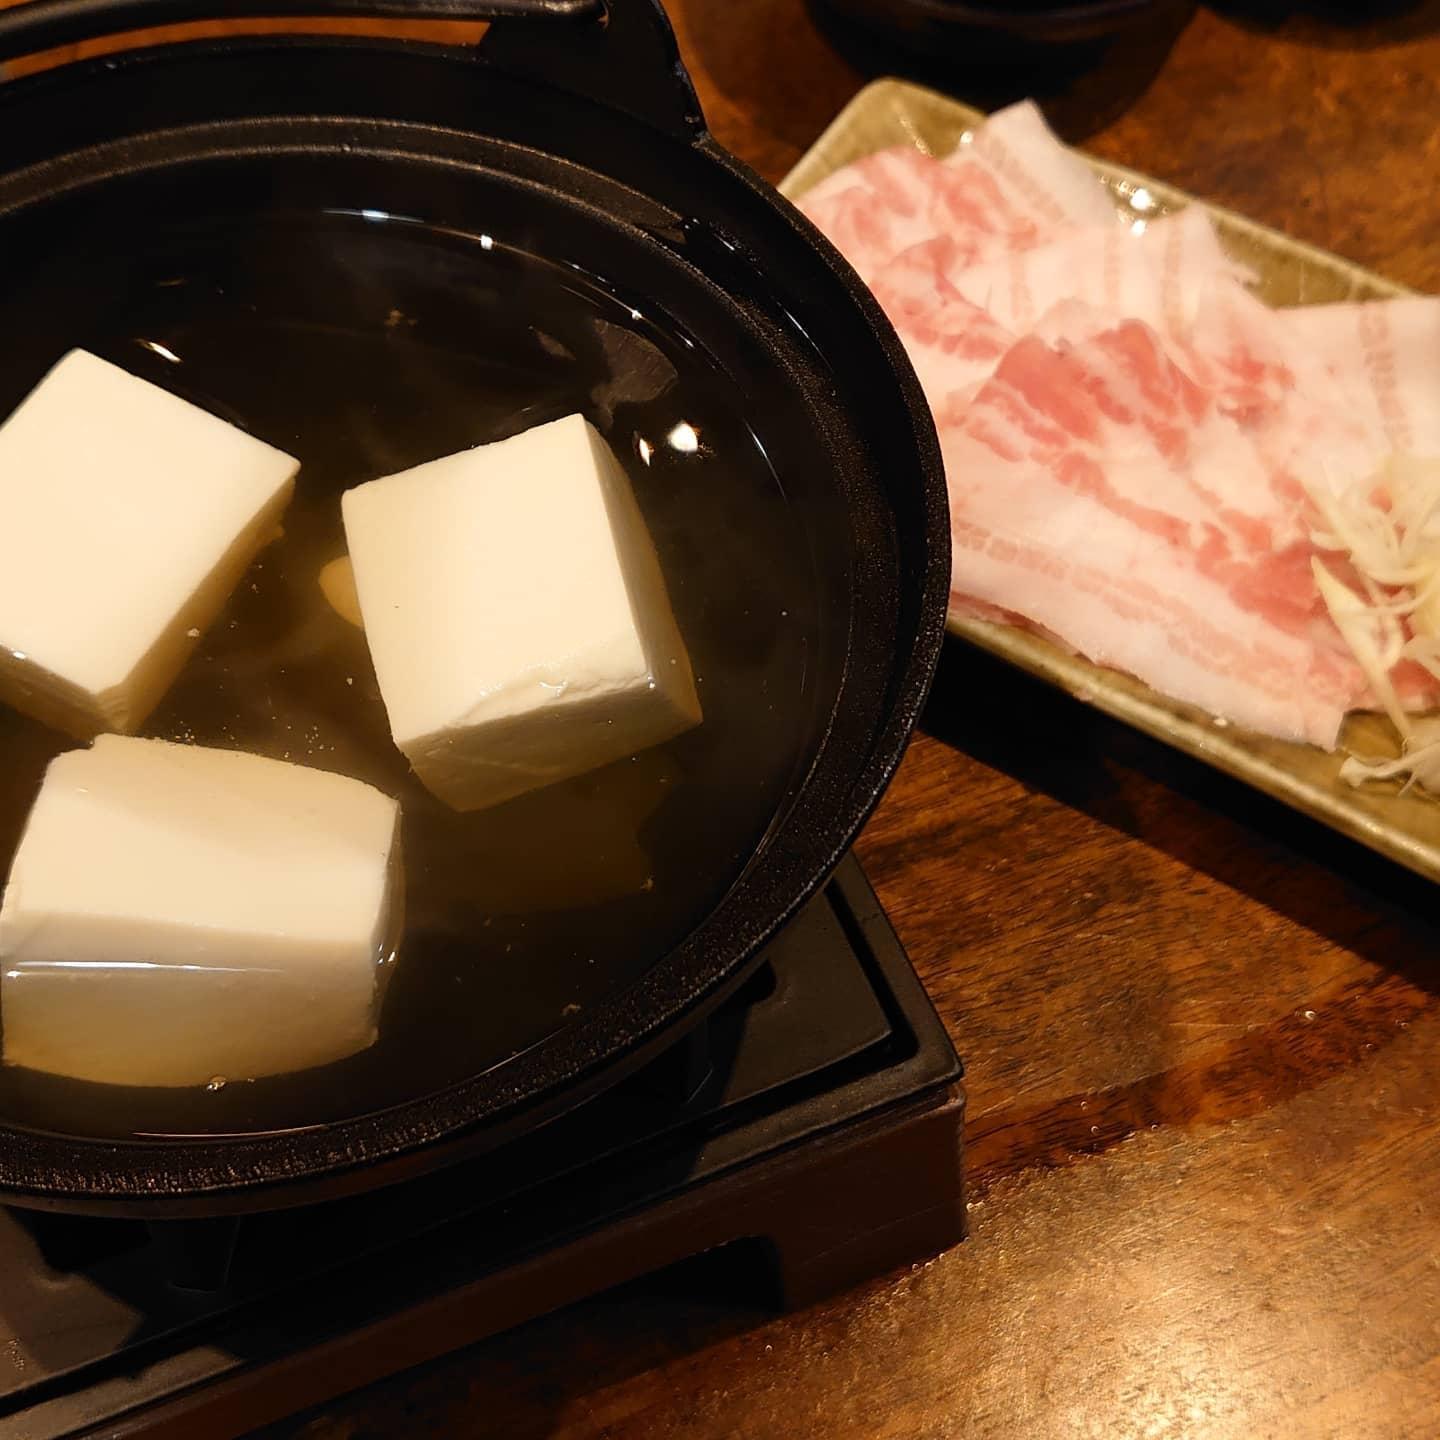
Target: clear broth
[364,344]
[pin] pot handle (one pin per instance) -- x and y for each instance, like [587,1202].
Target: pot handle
[628,61]
[619,52]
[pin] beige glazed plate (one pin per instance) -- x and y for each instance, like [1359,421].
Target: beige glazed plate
[1404,827]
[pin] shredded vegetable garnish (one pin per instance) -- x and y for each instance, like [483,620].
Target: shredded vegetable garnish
[1388,530]
[1373,634]
[1420,764]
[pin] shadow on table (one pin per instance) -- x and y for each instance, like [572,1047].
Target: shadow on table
[1057,745]
[551,1375]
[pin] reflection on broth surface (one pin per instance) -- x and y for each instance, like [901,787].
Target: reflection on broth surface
[363,346]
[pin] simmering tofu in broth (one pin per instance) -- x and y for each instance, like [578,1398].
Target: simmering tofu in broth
[177,914]
[557,568]
[127,516]
[517,615]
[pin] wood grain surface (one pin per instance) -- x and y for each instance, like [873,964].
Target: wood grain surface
[1202,1036]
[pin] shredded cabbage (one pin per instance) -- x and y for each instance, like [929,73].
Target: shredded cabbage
[1372,633]
[1420,764]
[1389,529]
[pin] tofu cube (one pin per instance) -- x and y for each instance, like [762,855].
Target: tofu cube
[516,615]
[176,913]
[127,516]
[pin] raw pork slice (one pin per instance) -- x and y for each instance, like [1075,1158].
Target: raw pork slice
[1328,393]
[900,179]
[1099,457]
[1010,186]
[1053,184]
[1134,443]
[1386,355]
[1096,573]
[953,345]
[1080,570]
[1159,274]
[1103,406]
[875,208]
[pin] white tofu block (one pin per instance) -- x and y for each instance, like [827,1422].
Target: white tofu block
[516,615]
[127,516]
[175,913]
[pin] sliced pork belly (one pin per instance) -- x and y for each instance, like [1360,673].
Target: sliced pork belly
[874,208]
[1102,466]
[873,215]
[1386,355]
[1107,410]
[1137,448]
[1234,348]
[953,345]
[1159,274]
[1087,574]
[1093,571]
[901,180]
[1049,183]
[1011,186]
[1327,393]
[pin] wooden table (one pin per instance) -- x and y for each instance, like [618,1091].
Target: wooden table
[1202,1037]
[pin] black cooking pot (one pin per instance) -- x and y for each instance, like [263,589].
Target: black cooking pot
[574,131]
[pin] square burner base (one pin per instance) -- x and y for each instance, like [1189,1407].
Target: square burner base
[819,1112]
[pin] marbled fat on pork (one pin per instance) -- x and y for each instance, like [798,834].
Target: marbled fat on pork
[1131,437]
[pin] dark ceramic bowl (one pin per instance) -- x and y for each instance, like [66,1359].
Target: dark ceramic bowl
[1011,35]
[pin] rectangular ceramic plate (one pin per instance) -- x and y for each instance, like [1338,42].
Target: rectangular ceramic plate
[1404,827]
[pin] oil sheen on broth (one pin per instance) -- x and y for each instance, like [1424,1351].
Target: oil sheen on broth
[364,345]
